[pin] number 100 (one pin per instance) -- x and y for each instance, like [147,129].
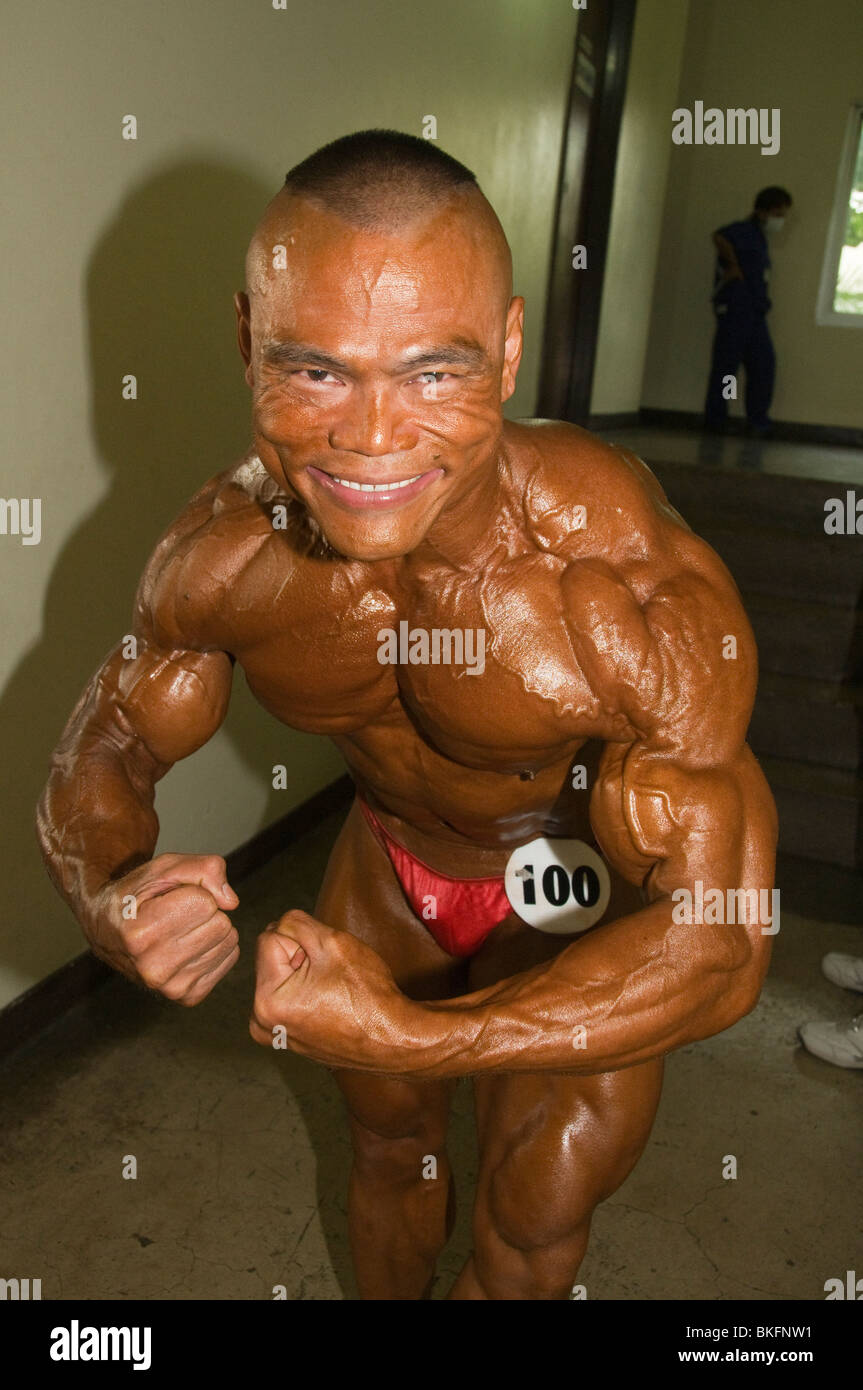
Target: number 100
[556,885]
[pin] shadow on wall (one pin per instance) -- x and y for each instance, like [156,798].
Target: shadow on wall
[158,292]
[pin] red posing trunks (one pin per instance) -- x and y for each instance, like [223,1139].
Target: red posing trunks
[467,909]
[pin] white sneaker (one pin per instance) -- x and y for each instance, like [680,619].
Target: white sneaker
[843,970]
[839,1043]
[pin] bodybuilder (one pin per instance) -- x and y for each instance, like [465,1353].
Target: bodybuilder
[385,494]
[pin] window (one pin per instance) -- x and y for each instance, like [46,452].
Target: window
[840,300]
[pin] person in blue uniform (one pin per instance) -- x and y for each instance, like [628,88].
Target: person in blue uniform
[740,305]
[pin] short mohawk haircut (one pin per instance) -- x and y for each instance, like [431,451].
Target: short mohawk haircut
[379,178]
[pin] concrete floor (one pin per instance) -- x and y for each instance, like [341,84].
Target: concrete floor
[243,1156]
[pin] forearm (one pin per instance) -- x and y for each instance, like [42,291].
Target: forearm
[727,255]
[95,819]
[137,717]
[591,1010]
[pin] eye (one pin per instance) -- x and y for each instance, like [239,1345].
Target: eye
[317,375]
[436,386]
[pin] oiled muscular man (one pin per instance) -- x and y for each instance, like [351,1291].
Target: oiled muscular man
[381,337]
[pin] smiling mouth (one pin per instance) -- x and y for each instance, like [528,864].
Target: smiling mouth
[375,487]
[356,494]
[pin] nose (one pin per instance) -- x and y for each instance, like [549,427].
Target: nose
[369,425]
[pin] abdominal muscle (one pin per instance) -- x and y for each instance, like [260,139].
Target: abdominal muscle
[474,837]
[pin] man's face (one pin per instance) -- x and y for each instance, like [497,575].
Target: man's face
[774,215]
[378,364]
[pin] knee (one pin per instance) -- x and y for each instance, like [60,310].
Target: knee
[527,1248]
[528,1217]
[399,1149]
[539,1267]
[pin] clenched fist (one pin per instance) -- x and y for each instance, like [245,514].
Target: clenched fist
[164,925]
[335,997]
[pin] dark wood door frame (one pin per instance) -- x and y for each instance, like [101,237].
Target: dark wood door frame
[583,210]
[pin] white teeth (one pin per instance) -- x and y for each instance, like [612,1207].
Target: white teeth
[375,487]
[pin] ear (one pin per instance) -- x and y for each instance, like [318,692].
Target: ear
[512,346]
[244,332]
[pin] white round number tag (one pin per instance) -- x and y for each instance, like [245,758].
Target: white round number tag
[559,886]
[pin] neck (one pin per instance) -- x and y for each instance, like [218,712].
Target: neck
[464,531]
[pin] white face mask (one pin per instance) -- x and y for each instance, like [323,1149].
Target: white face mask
[775,224]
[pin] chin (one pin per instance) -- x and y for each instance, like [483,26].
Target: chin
[368,543]
[368,549]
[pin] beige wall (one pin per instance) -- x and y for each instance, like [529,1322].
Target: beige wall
[640,177]
[124,258]
[805,59]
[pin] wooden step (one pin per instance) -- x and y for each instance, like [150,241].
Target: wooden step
[808,721]
[808,568]
[735,494]
[769,530]
[819,811]
[801,589]
[810,639]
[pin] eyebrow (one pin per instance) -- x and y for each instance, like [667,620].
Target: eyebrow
[460,352]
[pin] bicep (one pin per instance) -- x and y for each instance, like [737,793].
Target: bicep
[664,824]
[690,837]
[153,701]
[169,684]
[683,796]
[172,701]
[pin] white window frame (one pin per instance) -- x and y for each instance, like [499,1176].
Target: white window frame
[825,314]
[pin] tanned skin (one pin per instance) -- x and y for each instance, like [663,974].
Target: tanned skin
[376,357]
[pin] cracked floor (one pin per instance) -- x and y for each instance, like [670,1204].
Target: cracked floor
[243,1156]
